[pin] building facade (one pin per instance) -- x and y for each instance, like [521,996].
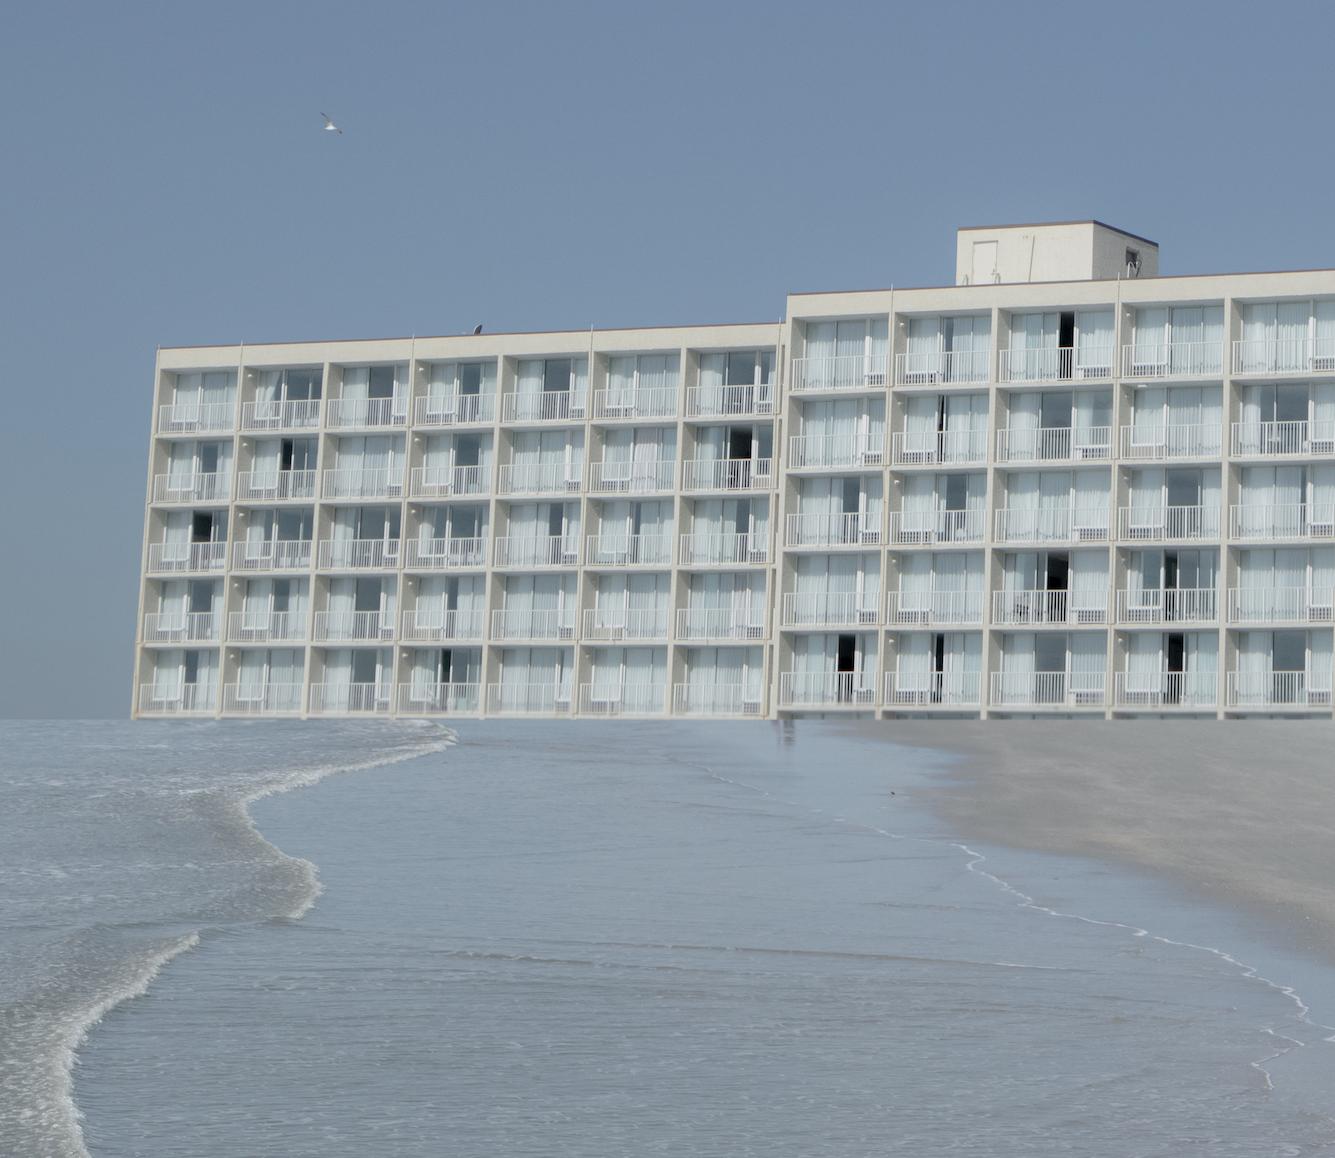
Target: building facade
[1064,485]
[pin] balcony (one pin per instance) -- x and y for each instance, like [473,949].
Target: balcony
[1282,439]
[354,626]
[178,699]
[1057,364]
[840,372]
[729,401]
[455,410]
[275,486]
[933,608]
[266,626]
[446,554]
[934,527]
[614,624]
[339,699]
[181,627]
[836,452]
[1167,524]
[834,689]
[366,413]
[548,698]
[617,549]
[195,417]
[362,483]
[723,549]
[442,625]
[191,488]
[1301,605]
[727,474]
[359,554]
[821,609]
[537,551]
[1045,609]
[272,555]
[631,478]
[1173,360]
[520,625]
[440,699]
[444,482]
[939,448]
[540,478]
[648,402]
[1055,444]
[1162,690]
[716,700]
[858,529]
[174,558]
[942,367]
[263,698]
[1283,521]
[933,689]
[543,406]
[1173,605]
[1278,690]
[1052,524]
[1171,441]
[1048,689]
[1273,356]
[296,414]
[622,699]
[720,624]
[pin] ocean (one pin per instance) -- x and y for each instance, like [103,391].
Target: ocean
[615,938]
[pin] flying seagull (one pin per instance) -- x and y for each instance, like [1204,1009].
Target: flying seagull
[329,126]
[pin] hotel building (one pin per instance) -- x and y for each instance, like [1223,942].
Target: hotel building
[1064,485]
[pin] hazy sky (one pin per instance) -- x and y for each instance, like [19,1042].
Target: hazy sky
[164,180]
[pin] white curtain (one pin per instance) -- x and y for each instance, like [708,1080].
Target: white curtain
[1093,343]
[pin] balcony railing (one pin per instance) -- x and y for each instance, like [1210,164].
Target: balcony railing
[272,555]
[362,483]
[1055,444]
[827,689]
[836,451]
[181,627]
[1057,363]
[1167,605]
[439,624]
[1053,524]
[354,626]
[646,402]
[729,401]
[1173,360]
[611,624]
[341,413]
[622,699]
[699,624]
[938,447]
[1282,521]
[511,624]
[1038,608]
[716,700]
[432,699]
[351,699]
[1281,605]
[173,557]
[191,488]
[261,697]
[1283,439]
[1173,440]
[617,549]
[195,417]
[933,689]
[723,549]
[1166,689]
[631,478]
[455,410]
[1048,689]
[935,367]
[1279,689]
[548,698]
[359,554]
[266,626]
[537,551]
[852,530]
[1167,524]
[295,414]
[543,406]
[1284,356]
[540,478]
[446,554]
[426,482]
[274,485]
[840,372]
[929,527]
[933,608]
[831,609]
[179,699]
[727,474]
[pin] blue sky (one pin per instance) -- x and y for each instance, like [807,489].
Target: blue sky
[165,181]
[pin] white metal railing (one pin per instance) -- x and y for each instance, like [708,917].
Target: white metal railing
[445,554]
[726,401]
[827,689]
[618,549]
[1167,605]
[1276,439]
[1278,689]
[424,698]
[178,699]
[345,412]
[1282,521]
[358,698]
[839,372]
[434,624]
[359,554]
[727,474]
[609,624]
[258,696]
[1052,524]
[266,626]
[454,410]
[1036,607]
[816,451]
[181,627]
[630,699]
[191,488]
[1173,360]
[831,609]
[937,366]
[545,698]
[716,700]
[631,478]
[1166,689]
[273,485]
[272,555]
[543,406]
[510,623]
[1054,444]
[933,608]
[1057,363]
[1135,524]
[933,689]
[704,623]
[187,556]
[193,417]
[1049,689]
[646,402]
[937,525]
[536,551]
[354,625]
[932,447]
[1280,605]
[362,483]
[1284,355]
[1171,440]
[540,478]
[706,548]
[295,414]
[857,529]
[426,482]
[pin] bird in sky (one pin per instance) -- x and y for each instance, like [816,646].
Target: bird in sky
[329,126]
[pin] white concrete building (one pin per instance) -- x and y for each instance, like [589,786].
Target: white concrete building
[1065,485]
